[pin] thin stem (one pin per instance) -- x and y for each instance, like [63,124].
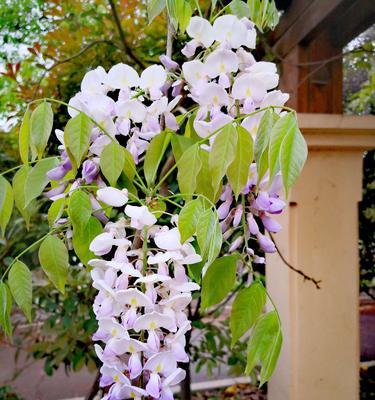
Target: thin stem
[316,282]
[29,248]
[21,165]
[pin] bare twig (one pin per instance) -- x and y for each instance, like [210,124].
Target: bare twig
[170,34]
[127,49]
[68,59]
[298,271]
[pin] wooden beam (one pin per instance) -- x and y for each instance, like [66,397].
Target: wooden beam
[352,21]
[308,21]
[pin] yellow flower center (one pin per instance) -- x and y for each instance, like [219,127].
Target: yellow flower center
[152,325]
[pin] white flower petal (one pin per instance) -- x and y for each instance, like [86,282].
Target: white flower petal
[112,196]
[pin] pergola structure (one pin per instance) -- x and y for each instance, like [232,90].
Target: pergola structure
[320,354]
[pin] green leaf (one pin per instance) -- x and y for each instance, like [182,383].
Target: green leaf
[24,137]
[238,171]
[5,308]
[222,154]
[154,154]
[6,203]
[204,181]
[129,165]
[264,345]
[79,209]
[209,235]
[20,284]
[293,154]
[188,219]
[41,123]
[246,308]
[54,259]
[239,8]
[82,239]
[112,161]
[154,8]
[37,179]
[19,181]
[218,280]
[172,8]
[262,143]
[180,144]
[77,137]
[281,128]
[189,166]
[184,13]
[55,211]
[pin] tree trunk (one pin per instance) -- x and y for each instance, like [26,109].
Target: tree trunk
[94,388]
[185,385]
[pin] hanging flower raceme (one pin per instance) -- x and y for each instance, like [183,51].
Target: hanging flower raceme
[143,291]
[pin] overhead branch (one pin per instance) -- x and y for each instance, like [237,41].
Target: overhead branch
[316,282]
[68,59]
[127,49]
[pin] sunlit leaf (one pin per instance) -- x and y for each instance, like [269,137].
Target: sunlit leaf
[281,128]
[209,235]
[82,239]
[222,154]
[41,123]
[261,144]
[37,179]
[154,154]
[79,209]
[54,259]
[188,218]
[188,169]
[264,345]
[246,308]
[293,154]
[55,211]
[6,203]
[218,280]
[24,137]
[112,162]
[5,308]
[77,137]
[18,182]
[238,171]
[154,8]
[20,284]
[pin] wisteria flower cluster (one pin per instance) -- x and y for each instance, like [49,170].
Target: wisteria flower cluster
[171,179]
[143,293]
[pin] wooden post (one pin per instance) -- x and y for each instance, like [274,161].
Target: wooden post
[320,354]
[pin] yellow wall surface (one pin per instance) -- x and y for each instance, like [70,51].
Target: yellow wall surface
[320,354]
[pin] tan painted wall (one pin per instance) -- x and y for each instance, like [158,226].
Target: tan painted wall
[320,354]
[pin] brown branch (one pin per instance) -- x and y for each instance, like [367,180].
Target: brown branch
[68,59]
[294,269]
[127,49]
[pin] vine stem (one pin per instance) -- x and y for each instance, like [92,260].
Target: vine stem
[29,248]
[21,165]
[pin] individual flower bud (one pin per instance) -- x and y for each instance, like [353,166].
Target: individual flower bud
[270,224]
[112,196]
[90,170]
[266,244]
[236,244]
[237,215]
[168,63]
[253,226]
